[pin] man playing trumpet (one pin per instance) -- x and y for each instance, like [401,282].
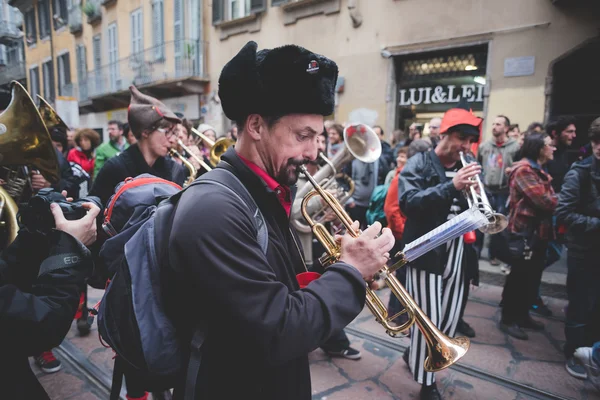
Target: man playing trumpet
[430,188]
[260,325]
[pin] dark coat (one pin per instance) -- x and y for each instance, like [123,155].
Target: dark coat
[36,311]
[260,326]
[67,180]
[131,163]
[425,195]
[579,206]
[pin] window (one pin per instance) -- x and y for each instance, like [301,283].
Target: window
[48,72]
[178,35]
[60,12]
[137,35]
[97,74]
[80,53]
[158,33]
[34,82]
[30,27]
[44,18]
[113,57]
[64,75]
[226,10]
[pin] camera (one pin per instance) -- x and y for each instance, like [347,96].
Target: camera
[37,217]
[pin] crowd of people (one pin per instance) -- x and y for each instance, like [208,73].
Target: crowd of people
[418,183]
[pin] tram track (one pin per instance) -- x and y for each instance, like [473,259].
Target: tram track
[99,379]
[393,344]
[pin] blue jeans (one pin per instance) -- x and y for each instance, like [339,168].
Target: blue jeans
[582,327]
[498,242]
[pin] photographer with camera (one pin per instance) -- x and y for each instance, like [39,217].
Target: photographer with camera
[40,276]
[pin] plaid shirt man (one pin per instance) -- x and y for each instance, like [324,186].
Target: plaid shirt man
[532,200]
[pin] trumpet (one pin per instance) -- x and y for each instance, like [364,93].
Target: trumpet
[328,179]
[496,221]
[442,351]
[188,165]
[216,148]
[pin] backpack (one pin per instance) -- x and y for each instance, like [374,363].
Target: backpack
[132,318]
[375,211]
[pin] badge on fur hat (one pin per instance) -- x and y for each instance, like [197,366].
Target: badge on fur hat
[313,67]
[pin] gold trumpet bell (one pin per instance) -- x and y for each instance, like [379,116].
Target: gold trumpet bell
[24,139]
[445,352]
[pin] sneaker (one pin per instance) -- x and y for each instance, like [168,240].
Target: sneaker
[465,329]
[47,362]
[430,393]
[576,369]
[505,269]
[514,331]
[495,262]
[349,353]
[584,356]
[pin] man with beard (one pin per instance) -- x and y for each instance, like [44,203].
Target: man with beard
[278,98]
[563,132]
[430,187]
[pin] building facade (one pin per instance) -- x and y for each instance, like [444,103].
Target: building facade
[403,61]
[87,60]
[12,54]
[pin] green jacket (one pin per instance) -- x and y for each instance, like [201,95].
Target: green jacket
[104,152]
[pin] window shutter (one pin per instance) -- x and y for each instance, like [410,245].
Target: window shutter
[257,6]
[275,3]
[67,66]
[217,11]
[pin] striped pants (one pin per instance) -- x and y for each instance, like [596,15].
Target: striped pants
[440,297]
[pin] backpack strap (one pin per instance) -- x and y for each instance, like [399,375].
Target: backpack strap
[222,176]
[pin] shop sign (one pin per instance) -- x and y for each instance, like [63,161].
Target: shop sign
[441,94]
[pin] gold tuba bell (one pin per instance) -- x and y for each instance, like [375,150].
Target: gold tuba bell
[443,351]
[24,141]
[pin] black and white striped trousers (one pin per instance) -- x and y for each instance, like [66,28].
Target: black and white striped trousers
[440,297]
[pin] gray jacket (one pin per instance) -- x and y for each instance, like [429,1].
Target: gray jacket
[494,160]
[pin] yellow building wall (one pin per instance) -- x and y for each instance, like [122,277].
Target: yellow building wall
[417,26]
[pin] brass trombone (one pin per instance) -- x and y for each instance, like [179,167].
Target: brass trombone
[198,159]
[443,351]
[496,222]
[216,148]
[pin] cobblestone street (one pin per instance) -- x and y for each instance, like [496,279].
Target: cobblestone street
[496,366]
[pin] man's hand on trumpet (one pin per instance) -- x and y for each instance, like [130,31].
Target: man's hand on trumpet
[464,178]
[369,252]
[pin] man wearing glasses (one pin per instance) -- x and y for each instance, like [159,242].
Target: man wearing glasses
[154,127]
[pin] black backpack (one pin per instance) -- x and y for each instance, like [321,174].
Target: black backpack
[132,319]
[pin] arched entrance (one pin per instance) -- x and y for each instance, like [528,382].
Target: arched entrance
[574,89]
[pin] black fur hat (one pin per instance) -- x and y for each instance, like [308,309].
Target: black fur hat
[277,82]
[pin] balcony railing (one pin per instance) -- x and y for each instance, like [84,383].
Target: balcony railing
[12,72]
[75,24]
[93,10]
[9,32]
[171,61]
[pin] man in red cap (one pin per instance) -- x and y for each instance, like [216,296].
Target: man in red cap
[430,187]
